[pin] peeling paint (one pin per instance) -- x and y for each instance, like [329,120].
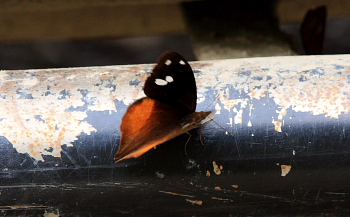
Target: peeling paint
[61,98]
[45,109]
[324,88]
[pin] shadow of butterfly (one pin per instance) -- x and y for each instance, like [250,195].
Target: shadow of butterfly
[167,112]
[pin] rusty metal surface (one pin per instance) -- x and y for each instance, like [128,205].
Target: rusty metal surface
[289,117]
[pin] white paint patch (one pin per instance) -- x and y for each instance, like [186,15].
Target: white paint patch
[169,79]
[30,82]
[160,82]
[238,116]
[71,77]
[200,98]
[217,108]
[249,124]
[3,75]
[104,73]
[182,62]
[167,62]
[231,124]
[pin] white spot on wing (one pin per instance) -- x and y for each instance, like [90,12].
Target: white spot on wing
[182,62]
[167,62]
[169,79]
[160,82]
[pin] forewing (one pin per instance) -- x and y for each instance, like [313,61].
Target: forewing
[172,82]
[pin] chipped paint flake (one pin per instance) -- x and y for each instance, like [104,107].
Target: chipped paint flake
[249,124]
[52,214]
[207,173]
[285,169]
[217,169]
[160,175]
[195,202]
[278,125]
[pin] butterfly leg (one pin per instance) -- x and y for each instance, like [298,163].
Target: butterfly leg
[210,119]
[187,141]
[201,134]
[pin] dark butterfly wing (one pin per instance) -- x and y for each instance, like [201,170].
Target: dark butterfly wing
[148,123]
[172,82]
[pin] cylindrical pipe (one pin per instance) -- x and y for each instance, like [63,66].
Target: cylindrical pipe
[288,116]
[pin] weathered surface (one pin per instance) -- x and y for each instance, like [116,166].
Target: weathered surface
[289,117]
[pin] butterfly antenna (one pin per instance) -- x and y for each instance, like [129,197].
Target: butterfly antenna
[212,102]
[201,135]
[223,128]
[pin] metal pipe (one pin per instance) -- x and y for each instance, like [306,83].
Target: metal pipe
[289,117]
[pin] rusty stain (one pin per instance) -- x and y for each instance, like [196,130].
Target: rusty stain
[195,202]
[217,188]
[40,112]
[285,169]
[235,186]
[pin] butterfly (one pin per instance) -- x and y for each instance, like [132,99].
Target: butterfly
[167,111]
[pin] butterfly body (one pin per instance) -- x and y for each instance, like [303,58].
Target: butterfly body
[167,112]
